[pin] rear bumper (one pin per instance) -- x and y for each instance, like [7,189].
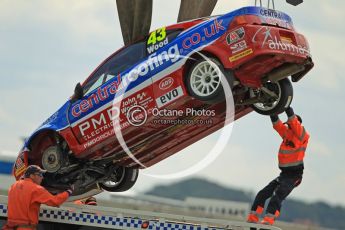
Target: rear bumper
[266,48]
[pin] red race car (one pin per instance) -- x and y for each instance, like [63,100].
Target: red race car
[165,92]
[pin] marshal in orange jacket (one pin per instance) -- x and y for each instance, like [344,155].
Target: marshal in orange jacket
[24,201]
[295,141]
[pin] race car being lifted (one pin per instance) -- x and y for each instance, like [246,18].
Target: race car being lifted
[257,50]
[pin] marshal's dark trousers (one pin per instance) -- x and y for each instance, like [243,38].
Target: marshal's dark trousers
[277,190]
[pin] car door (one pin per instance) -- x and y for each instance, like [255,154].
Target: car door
[91,117]
[167,87]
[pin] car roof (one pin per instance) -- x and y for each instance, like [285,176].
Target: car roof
[181,25]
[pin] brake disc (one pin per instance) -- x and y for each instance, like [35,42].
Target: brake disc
[52,159]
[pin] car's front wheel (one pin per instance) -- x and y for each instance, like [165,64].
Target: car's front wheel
[274,97]
[121,180]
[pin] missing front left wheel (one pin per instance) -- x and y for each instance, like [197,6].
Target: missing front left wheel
[52,159]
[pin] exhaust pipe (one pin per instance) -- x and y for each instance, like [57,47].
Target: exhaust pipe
[282,72]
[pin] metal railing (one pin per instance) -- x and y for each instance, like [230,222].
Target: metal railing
[268,3]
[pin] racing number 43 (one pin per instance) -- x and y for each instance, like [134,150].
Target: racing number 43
[157,36]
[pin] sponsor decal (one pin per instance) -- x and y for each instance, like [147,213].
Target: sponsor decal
[169,97]
[157,39]
[237,47]
[21,163]
[285,39]
[208,32]
[98,123]
[100,138]
[157,36]
[155,47]
[266,31]
[94,99]
[235,36]
[142,99]
[271,13]
[275,43]
[101,126]
[103,121]
[166,83]
[240,55]
[285,46]
[153,62]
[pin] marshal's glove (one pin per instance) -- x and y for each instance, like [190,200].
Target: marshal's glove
[289,112]
[70,190]
[274,118]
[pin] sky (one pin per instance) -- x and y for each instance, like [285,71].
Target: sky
[46,47]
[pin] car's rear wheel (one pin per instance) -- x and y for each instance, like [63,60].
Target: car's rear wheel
[274,97]
[121,180]
[203,80]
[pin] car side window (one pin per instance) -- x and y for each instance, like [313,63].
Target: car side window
[172,34]
[96,84]
[116,65]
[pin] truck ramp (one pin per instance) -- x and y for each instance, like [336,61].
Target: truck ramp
[97,217]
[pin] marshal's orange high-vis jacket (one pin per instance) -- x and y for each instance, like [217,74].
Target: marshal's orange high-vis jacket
[295,141]
[24,201]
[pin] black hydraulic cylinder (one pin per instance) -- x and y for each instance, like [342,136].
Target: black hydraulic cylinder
[135,18]
[294,2]
[191,9]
